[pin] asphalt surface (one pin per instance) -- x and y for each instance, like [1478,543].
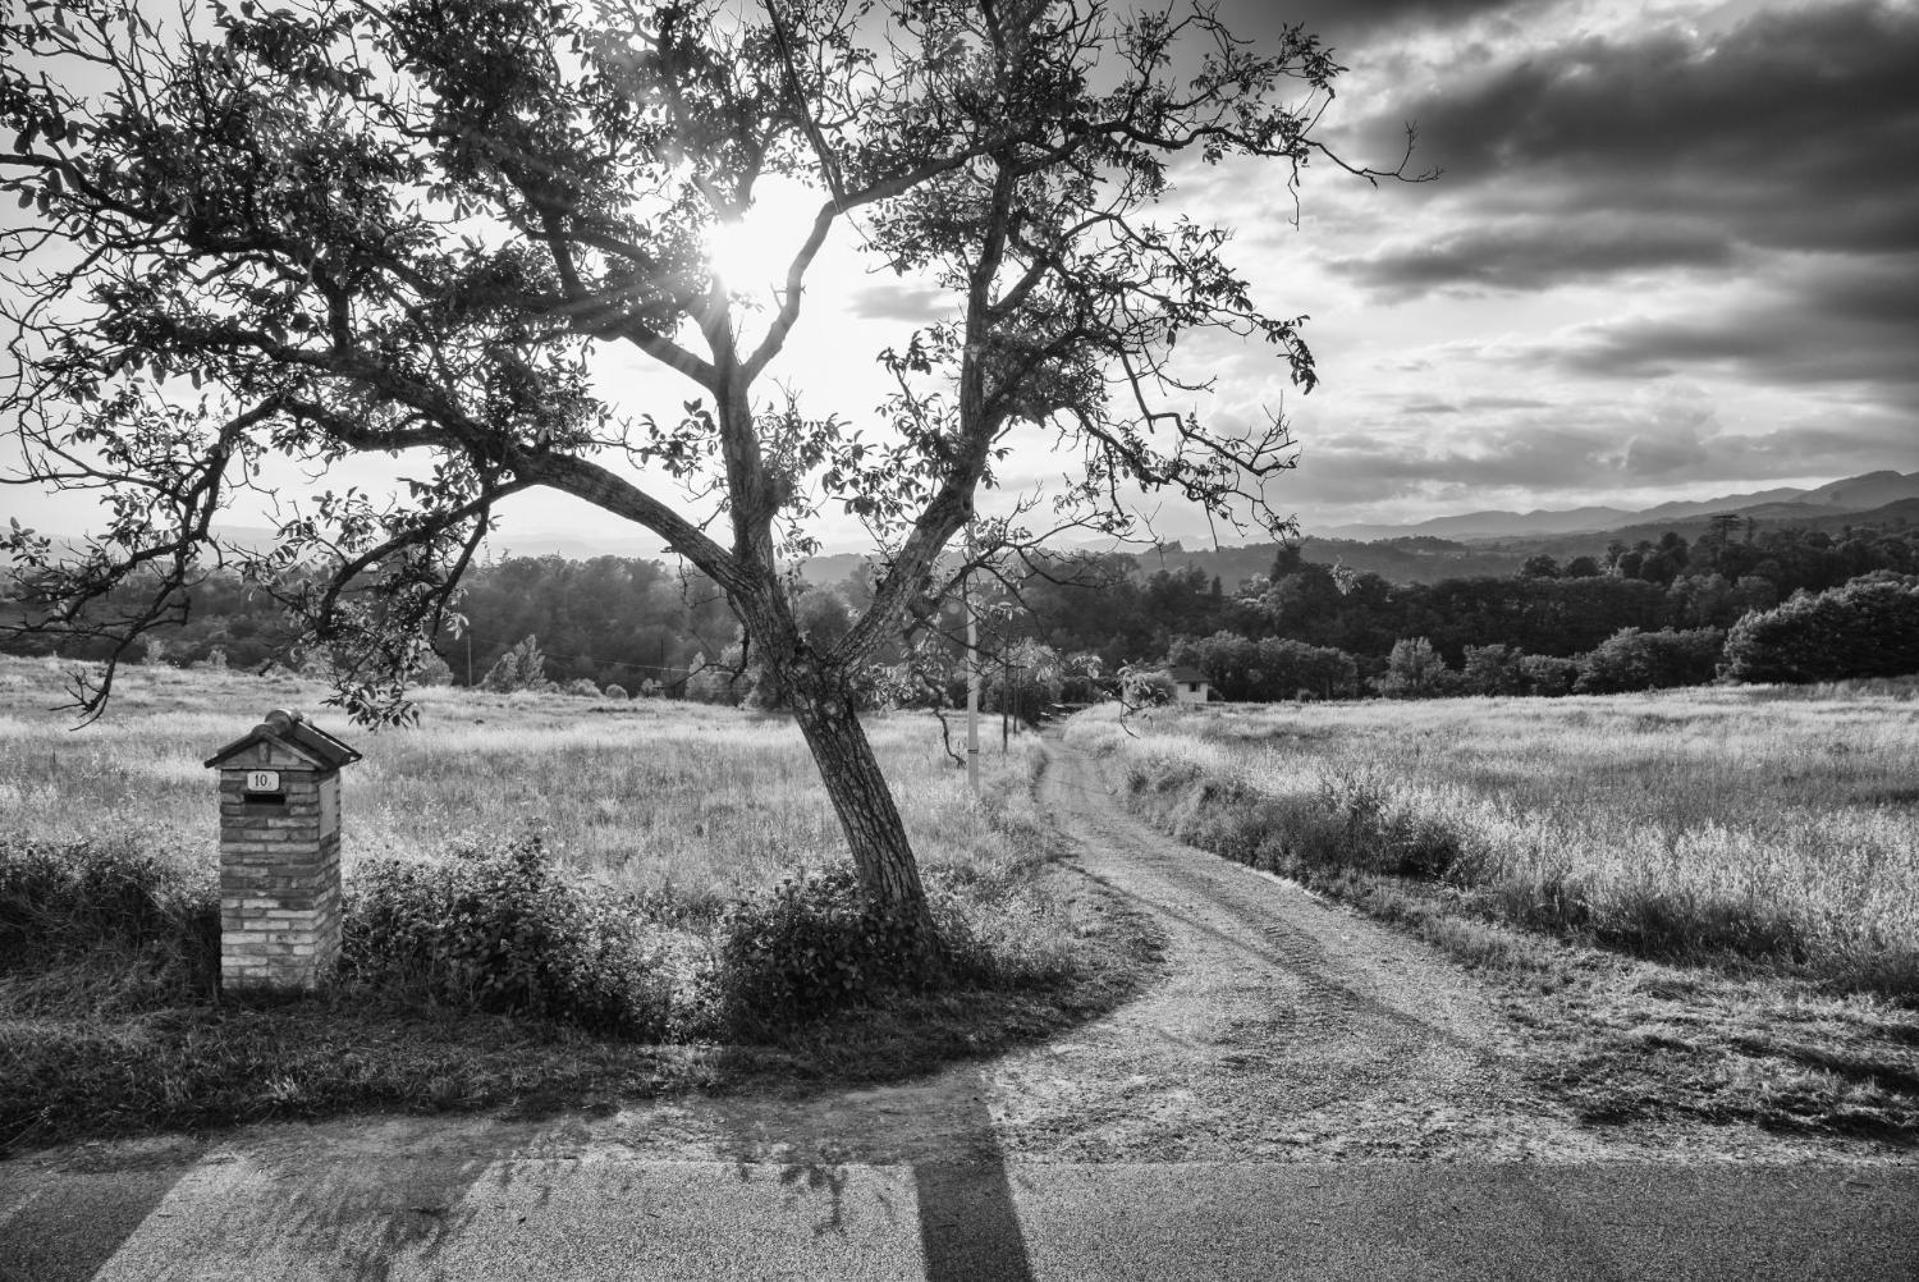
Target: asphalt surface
[224,1216]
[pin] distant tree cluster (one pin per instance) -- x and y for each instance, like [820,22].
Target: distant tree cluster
[1868,628]
[1651,615]
[1065,629]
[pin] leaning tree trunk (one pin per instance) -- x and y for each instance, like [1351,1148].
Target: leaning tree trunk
[875,833]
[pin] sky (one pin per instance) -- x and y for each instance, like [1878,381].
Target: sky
[1673,252]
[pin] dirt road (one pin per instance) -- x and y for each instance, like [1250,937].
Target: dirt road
[1285,1026]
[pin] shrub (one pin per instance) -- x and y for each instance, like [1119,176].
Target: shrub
[583,688]
[501,930]
[812,945]
[1548,675]
[715,684]
[432,670]
[1147,688]
[614,690]
[60,901]
[1350,822]
[1867,628]
[1493,670]
[1292,667]
[1415,670]
[1633,660]
[521,668]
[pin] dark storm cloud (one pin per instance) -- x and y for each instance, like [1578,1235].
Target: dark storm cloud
[1819,90]
[1787,132]
[1533,254]
[1776,347]
[1833,323]
[1341,23]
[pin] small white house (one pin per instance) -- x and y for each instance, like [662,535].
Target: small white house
[1189,685]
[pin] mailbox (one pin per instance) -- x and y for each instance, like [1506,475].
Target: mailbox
[280,853]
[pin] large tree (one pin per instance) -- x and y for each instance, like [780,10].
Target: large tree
[328,227]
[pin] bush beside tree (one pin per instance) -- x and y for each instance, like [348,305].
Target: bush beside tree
[1868,628]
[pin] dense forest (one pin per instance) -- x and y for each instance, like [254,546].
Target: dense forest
[1658,611]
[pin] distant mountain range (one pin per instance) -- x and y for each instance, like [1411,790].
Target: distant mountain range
[1854,494]
[1498,543]
[1477,543]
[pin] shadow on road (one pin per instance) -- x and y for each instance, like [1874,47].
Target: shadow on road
[968,1220]
[72,1234]
[969,1225]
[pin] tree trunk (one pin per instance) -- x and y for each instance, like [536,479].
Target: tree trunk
[874,831]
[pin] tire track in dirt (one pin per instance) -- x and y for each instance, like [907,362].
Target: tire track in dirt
[1283,1026]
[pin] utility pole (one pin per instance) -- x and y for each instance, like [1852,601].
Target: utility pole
[972,668]
[1005,696]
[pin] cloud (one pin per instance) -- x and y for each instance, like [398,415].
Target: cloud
[1674,448]
[1481,403]
[1662,438]
[1821,323]
[1783,128]
[1372,467]
[1340,23]
[1674,253]
[1537,252]
[898,301]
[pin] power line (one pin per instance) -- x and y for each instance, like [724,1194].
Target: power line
[587,658]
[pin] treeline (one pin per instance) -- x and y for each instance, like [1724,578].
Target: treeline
[1789,604]
[610,620]
[1659,612]
[1105,607]
[1868,627]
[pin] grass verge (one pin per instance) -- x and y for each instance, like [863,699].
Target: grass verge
[493,979]
[1648,1009]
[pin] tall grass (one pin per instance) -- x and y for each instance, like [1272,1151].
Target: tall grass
[531,880]
[1747,825]
[674,811]
[664,799]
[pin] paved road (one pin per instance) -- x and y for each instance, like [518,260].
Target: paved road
[1309,1114]
[226,1216]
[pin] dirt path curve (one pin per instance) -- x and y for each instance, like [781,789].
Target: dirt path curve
[1285,1026]
[1281,1027]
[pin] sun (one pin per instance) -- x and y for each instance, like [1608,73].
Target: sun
[751,255]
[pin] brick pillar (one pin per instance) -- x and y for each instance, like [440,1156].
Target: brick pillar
[279,859]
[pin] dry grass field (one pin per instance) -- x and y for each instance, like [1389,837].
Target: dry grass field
[682,828]
[680,799]
[1761,823]
[1700,904]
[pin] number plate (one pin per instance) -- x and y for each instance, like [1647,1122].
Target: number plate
[263,781]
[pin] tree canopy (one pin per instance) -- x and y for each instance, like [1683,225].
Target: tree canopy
[320,228]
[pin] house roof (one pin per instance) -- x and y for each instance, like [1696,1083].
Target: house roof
[297,735]
[1189,676]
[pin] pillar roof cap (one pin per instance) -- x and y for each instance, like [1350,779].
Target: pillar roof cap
[293,732]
